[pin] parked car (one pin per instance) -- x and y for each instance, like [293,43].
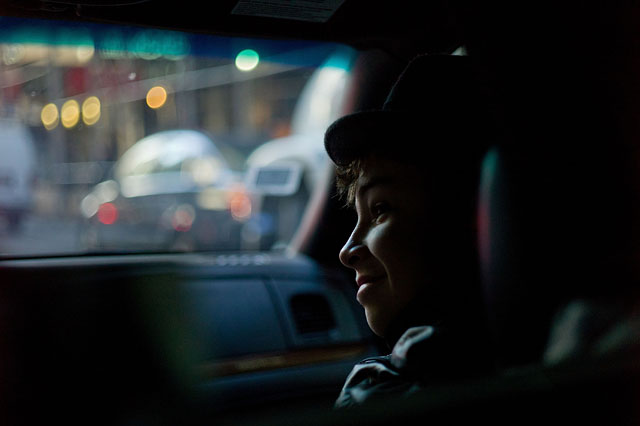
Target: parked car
[172,190]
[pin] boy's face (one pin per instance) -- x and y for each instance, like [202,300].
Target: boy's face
[386,246]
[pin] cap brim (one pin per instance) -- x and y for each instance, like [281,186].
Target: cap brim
[356,135]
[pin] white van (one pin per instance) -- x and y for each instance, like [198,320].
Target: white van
[17,171]
[299,160]
[320,103]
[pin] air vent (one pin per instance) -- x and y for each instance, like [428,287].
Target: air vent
[312,313]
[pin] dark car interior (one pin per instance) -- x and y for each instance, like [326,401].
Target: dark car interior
[268,338]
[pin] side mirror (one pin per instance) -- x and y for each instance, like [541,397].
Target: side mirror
[278,179]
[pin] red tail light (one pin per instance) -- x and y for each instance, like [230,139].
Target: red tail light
[240,205]
[183,218]
[107,213]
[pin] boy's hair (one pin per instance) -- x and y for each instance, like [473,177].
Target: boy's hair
[346,180]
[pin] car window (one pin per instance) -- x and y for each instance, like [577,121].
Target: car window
[125,139]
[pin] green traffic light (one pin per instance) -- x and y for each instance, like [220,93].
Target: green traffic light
[247,60]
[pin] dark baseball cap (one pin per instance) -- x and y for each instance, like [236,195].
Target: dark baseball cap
[436,101]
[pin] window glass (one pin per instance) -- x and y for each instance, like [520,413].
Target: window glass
[124,139]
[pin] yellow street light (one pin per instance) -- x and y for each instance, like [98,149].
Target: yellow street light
[70,113]
[156,97]
[49,116]
[91,110]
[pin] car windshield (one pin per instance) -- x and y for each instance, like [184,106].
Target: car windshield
[125,139]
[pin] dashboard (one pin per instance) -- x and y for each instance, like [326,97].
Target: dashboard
[219,331]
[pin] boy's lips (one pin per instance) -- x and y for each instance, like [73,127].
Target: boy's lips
[365,279]
[366,285]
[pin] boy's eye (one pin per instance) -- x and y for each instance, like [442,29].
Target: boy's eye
[378,209]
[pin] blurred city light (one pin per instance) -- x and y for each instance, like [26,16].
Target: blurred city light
[89,205]
[156,97]
[240,205]
[85,53]
[70,113]
[91,110]
[247,60]
[49,116]
[107,213]
[183,218]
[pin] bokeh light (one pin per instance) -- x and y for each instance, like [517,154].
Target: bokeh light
[91,110]
[183,218]
[85,53]
[239,204]
[247,60]
[107,213]
[49,116]
[156,97]
[89,205]
[70,113]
